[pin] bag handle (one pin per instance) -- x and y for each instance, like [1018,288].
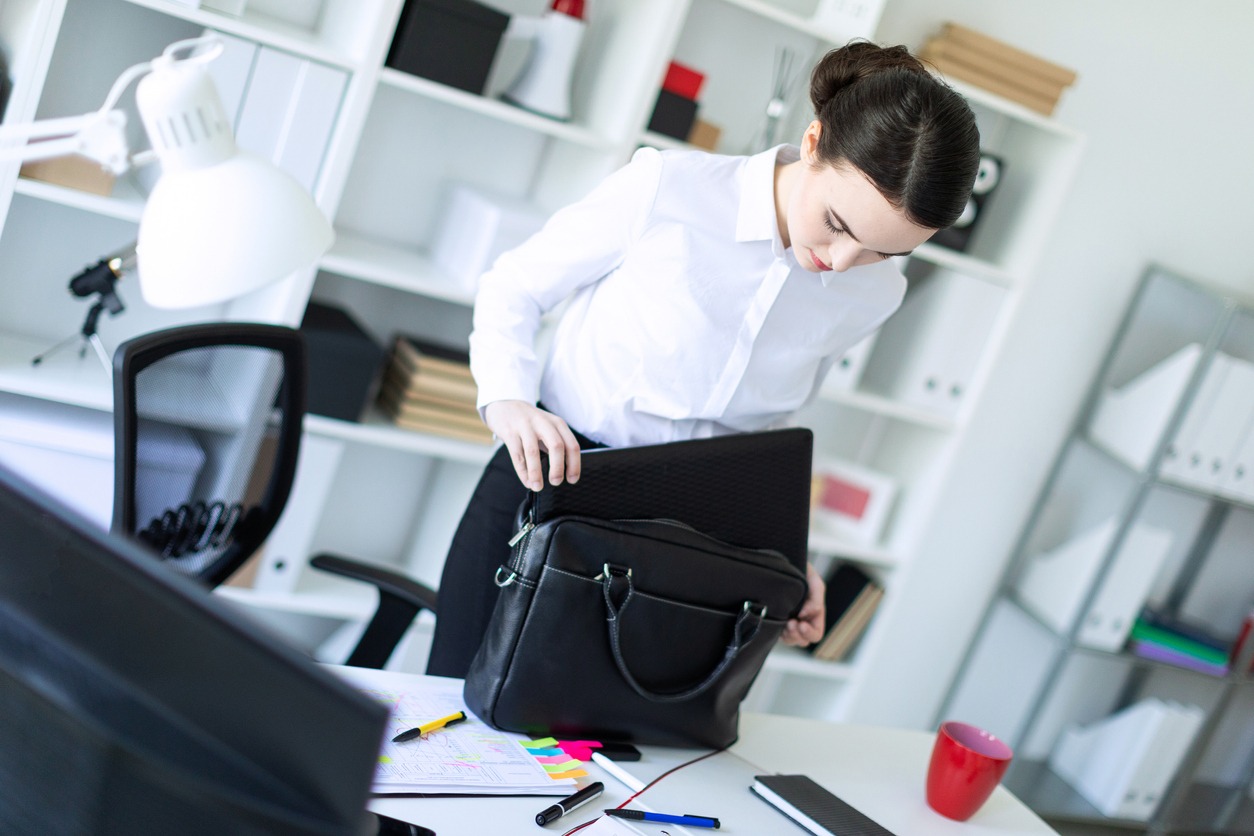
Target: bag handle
[743,632]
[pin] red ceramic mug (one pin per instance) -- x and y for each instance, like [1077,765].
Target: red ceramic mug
[967,764]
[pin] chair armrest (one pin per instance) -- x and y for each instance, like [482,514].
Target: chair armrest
[401,598]
[387,580]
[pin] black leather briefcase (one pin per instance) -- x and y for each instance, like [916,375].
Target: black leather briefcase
[638,630]
[641,627]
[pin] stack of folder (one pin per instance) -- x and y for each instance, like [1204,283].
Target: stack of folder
[986,62]
[1176,642]
[851,599]
[429,388]
[1124,764]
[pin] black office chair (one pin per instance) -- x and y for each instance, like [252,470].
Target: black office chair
[207,428]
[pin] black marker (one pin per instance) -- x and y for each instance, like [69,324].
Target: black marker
[564,806]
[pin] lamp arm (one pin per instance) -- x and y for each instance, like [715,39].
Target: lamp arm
[100,136]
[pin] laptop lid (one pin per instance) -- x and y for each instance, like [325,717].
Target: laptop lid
[746,489]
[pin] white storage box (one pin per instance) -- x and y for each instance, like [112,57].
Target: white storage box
[478,227]
[68,452]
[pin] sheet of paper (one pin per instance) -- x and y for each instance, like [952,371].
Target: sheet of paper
[470,757]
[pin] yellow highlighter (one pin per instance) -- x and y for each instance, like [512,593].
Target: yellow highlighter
[418,731]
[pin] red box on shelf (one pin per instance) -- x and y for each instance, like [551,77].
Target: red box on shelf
[683,81]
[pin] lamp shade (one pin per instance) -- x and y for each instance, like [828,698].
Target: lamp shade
[220,222]
[210,234]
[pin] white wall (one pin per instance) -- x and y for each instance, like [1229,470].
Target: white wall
[1165,97]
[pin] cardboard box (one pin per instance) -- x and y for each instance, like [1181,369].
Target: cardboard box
[73,172]
[704,134]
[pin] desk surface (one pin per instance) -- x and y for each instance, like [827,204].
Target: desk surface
[878,770]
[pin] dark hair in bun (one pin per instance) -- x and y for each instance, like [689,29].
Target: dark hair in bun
[909,133]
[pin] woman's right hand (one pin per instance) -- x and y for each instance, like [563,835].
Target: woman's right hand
[527,430]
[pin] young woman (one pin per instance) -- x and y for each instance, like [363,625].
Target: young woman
[708,295]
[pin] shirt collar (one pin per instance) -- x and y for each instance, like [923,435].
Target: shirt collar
[755,219]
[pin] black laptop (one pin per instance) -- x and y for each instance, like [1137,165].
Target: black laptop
[748,489]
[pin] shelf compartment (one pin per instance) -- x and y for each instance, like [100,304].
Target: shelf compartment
[495,109]
[1054,800]
[377,431]
[125,204]
[340,34]
[391,265]
[890,408]
[976,268]
[822,543]
[797,661]
[63,376]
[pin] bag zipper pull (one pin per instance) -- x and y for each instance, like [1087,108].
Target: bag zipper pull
[522,532]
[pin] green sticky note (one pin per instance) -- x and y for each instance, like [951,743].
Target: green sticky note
[561,767]
[542,743]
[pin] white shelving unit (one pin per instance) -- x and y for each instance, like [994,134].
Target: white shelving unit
[398,145]
[1119,535]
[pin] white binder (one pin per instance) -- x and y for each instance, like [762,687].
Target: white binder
[933,346]
[1130,420]
[1124,763]
[1217,421]
[1239,484]
[230,71]
[847,370]
[1099,759]
[1223,431]
[1148,783]
[1054,583]
[1189,456]
[1124,589]
[289,110]
[292,540]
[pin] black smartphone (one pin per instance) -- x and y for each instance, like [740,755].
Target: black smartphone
[619,751]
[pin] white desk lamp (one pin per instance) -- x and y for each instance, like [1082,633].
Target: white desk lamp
[220,222]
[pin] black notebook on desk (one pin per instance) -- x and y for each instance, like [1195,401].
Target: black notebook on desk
[813,807]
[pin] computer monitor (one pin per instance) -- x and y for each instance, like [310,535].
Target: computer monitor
[133,701]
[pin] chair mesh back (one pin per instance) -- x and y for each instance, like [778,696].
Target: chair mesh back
[204,452]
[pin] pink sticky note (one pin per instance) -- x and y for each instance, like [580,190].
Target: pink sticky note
[579,749]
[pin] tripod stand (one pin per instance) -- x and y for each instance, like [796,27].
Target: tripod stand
[101,278]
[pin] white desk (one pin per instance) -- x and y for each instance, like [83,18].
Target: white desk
[880,771]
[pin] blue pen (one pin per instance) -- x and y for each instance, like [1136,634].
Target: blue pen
[641,815]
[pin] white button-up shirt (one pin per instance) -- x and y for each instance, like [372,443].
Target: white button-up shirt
[687,316]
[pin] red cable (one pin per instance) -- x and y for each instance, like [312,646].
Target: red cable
[648,786]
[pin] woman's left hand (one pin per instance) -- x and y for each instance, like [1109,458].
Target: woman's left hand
[807,627]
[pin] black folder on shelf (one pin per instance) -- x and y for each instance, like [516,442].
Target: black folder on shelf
[816,809]
[747,489]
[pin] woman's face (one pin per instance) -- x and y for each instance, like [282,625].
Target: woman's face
[836,219]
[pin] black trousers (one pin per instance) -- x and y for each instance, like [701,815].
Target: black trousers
[468,590]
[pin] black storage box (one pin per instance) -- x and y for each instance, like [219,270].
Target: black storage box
[344,363]
[450,41]
[673,115]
